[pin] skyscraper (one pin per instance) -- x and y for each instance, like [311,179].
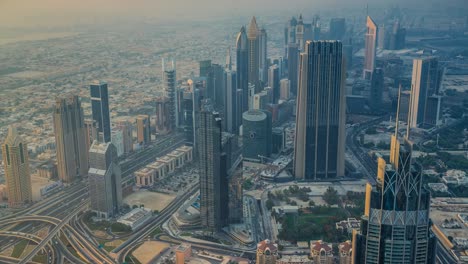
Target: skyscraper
[242,67]
[293,64]
[91,134]
[16,164]
[274,82]
[253,34]
[289,34]
[395,226]
[320,113]
[337,29]
[69,129]
[424,83]
[231,115]
[284,89]
[100,108]
[300,33]
[105,187]
[127,133]
[169,82]
[143,129]
[206,70]
[163,107]
[370,48]
[219,96]
[376,89]
[263,60]
[257,134]
[211,175]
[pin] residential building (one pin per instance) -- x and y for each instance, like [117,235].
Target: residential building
[69,129]
[16,165]
[321,252]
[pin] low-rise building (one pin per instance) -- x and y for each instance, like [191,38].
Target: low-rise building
[348,225]
[136,217]
[345,252]
[294,259]
[47,170]
[183,253]
[144,177]
[321,252]
[159,169]
[267,252]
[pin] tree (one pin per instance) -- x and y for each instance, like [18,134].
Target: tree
[330,196]
[134,206]
[269,204]
[311,203]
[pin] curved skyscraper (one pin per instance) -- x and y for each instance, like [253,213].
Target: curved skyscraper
[320,114]
[253,37]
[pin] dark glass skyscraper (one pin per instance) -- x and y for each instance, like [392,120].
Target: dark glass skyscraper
[320,115]
[253,37]
[242,67]
[100,108]
[376,89]
[211,176]
[396,226]
[274,82]
[293,64]
[169,82]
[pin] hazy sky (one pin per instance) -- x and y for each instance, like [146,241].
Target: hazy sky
[57,12]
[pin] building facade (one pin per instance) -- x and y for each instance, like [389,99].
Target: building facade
[267,252]
[17,174]
[253,40]
[320,112]
[70,138]
[242,67]
[370,48]
[143,129]
[169,83]
[257,134]
[105,187]
[100,108]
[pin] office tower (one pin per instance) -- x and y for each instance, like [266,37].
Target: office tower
[345,252]
[105,187]
[16,165]
[320,113]
[209,151]
[321,252]
[231,113]
[433,110]
[242,67]
[253,53]
[69,129]
[293,64]
[100,108]
[163,107]
[383,37]
[251,95]
[143,129]
[300,33]
[267,252]
[424,83]
[316,28]
[91,132]
[337,29]
[284,89]
[169,83]
[289,34]
[370,48]
[396,226]
[263,60]
[397,37]
[127,133]
[117,141]
[348,53]
[228,65]
[274,82]
[376,90]
[191,104]
[219,96]
[257,134]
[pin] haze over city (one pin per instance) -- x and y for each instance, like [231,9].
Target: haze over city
[261,131]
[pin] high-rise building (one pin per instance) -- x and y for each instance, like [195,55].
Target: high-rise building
[143,129]
[274,82]
[169,82]
[219,96]
[284,89]
[105,187]
[321,252]
[231,112]
[100,108]
[211,171]
[300,33]
[253,40]
[127,134]
[376,89]
[236,206]
[16,164]
[117,141]
[395,226]
[267,252]
[191,106]
[293,65]
[242,67]
[289,34]
[257,134]
[263,60]
[320,114]
[163,107]
[91,132]
[348,53]
[69,129]
[370,48]
[337,29]
[425,82]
